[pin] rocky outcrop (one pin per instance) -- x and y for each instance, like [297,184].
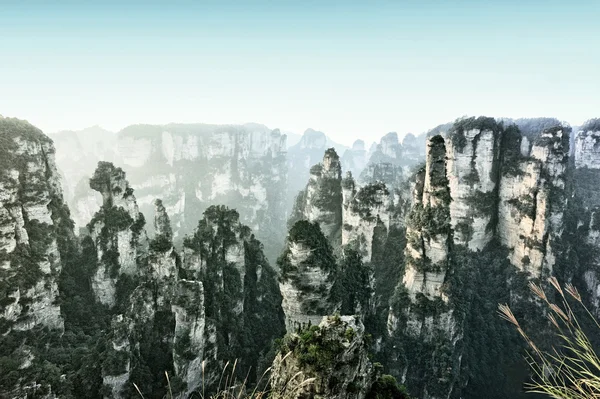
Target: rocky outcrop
[117,232]
[586,204]
[308,271]
[328,360]
[240,290]
[365,209]
[482,183]
[36,236]
[473,166]
[532,198]
[391,162]
[33,221]
[355,159]
[302,156]
[321,201]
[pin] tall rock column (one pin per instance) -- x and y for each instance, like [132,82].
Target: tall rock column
[364,210]
[36,243]
[532,198]
[472,153]
[308,271]
[117,231]
[586,179]
[421,323]
[321,202]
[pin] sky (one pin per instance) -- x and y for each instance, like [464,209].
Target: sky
[351,69]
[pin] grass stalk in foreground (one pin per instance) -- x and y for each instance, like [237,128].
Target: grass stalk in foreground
[571,371]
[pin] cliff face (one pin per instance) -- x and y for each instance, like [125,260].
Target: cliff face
[300,157]
[31,206]
[191,167]
[533,200]
[321,201]
[391,162]
[36,235]
[308,271]
[586,178]
[117,232]
[194,166]
[484,186]
[365,210]
[242,300]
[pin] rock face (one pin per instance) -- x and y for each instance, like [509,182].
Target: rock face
[420,310]
[391,162]
[194,166]
[473,165]
[31,213]
[242,301]
[300,157]
[321,201]
[117,232]
[36,235]
[198,311]
[365,209]
[482,183]
[533,200]
[329,360]
[587,204]
[355,159]
[308,271]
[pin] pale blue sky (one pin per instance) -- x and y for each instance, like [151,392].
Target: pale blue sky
[351,69]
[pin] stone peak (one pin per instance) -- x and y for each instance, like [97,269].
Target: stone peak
[162,223]
[592,125]
[391,137]
[331,162]
[110,181]
[358,145]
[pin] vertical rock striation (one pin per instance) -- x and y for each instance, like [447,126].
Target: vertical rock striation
[307,274]
[321,201]
[117,232]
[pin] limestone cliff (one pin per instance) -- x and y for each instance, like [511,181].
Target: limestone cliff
[365,209]
[36,237]
[586,205]
[308,271]
[355,158]
[391,162]
[117,232]
[242,300]
[321,201]
[302,156]
[485,187]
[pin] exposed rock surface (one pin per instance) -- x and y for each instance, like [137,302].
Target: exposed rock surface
[35,235]
[321,201]
[329,360]
[391,162]
[364,209]
[117,231]
[308,270]
[302,156]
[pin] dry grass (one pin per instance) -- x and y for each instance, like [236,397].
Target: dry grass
[230,388]
[571,371]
